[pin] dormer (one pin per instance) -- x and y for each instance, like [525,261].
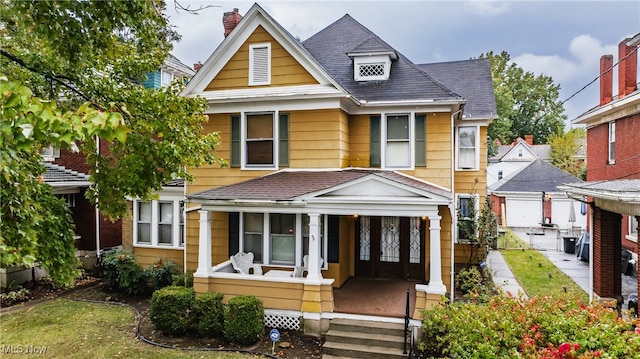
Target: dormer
[372,60]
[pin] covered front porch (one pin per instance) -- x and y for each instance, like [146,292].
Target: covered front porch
[369,237]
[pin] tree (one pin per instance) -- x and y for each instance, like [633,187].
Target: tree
[527,104]
[71,74]
[564,147]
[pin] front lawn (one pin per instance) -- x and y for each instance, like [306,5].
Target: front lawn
[70,329]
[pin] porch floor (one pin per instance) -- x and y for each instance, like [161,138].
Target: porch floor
[378,297]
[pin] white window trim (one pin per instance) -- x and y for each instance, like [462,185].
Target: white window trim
[611,139]
[243,141]
[266,244]
[50,153]
[630,236]
[162,73]
[412,141]
[155,221]
[370,60]
[252,80]
[477,150]
[476,198]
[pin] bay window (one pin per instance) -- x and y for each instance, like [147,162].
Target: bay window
[158,223]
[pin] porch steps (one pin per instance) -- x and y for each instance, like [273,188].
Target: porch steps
[349,338]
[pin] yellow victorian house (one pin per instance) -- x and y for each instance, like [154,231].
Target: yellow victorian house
[348,164]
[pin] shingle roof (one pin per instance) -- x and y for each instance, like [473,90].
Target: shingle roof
[406,81]
[57,173]
[289,185]
[470,79]
[538,176]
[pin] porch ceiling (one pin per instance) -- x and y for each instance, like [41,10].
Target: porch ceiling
[619,196]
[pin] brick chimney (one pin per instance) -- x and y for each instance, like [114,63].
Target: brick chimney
[606,79]
[628,68]
[197,67]
[230,20]
[528,139]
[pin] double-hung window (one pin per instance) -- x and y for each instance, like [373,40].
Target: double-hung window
[468,147]
[158,223]
[612,143]
[259,141]
[467,212]
[633,229]
[277,239]
[397,140]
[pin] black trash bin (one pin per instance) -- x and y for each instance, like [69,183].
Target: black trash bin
[569,244]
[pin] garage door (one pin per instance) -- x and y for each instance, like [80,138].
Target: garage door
[523,212]
[560,213]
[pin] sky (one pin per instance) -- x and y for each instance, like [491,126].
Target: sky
[562,39]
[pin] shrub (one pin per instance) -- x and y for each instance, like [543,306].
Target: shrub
[476,284]
[244,320]
[160,274]
[183,279]
[209,312]
[172,309]
[121,272]
[542,327]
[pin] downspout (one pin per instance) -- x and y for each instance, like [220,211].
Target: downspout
[97,209]
[184,231]
[452,204]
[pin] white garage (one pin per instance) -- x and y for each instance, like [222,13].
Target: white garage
[523,211]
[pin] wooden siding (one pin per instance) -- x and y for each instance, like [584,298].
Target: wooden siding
[285,70]
[274,294]
[317,139]
[359,127]
[148,256]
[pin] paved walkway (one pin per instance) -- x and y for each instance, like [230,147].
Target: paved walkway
[552,247]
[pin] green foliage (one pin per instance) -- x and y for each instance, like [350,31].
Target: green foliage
[481,231]
[473,281]
[14,295]
[122,272]
[244,320]
[209,312]
[83,62]
[564,147]
[183,279]
[160,274]
[508,327]
[527,104]
[171,309]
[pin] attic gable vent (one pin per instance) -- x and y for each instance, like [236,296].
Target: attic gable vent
[368,67]
[259,64]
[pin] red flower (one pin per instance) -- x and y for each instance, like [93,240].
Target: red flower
[576,346]
[564,348]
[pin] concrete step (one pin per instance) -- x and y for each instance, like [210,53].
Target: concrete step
[371,339]
[348,350]
[348,338]
[365,326]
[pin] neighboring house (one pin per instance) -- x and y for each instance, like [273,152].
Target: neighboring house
[67,174]
[345,158]
[612,189]
[512,158]
[531,198]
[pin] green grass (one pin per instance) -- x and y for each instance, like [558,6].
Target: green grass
[536,274]
[71,329]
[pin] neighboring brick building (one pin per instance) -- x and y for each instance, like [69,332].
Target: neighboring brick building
[613,170]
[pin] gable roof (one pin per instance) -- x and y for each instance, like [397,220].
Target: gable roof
[540,151]
[291,185]
[472,80]
[407,81]
[59,175]
[538,176]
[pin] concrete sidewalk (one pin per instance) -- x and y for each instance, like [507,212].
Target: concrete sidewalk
[551,245]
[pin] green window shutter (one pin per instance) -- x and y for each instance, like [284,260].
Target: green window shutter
[283,140]
[374,139]
[234,233]
[235,141]
[421,145]
[334,239]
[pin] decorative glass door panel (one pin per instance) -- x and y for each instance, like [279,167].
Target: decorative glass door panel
[390,240]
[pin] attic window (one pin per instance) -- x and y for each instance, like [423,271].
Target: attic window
[371,67]
[259,64]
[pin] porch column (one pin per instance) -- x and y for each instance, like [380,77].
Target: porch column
[204,245]
[313,272]
[435,261]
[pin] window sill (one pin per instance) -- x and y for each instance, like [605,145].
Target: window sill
[631,238]
[157,246]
